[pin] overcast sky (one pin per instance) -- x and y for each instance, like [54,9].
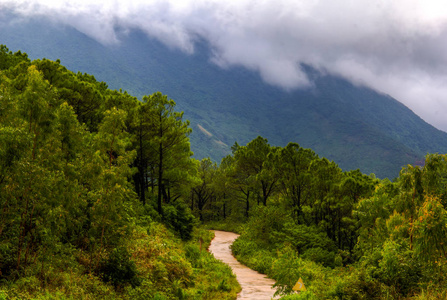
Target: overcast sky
[398,47]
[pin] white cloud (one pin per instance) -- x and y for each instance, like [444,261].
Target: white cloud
[398,47]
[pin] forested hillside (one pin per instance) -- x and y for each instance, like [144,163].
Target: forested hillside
[355,126]
[92,191]
[100,198]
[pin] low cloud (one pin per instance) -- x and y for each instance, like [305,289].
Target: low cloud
[398,47]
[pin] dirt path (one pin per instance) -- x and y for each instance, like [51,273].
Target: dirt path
[254,285]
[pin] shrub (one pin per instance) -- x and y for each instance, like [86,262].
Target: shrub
[301,296]
[321,256]
[192,253]
[398,268]
[264,222]
[178,216]
[303,237]
[119,269]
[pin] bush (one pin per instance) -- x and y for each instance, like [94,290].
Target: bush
[229,224]
[303,237]
[320,256]
[178,216]
[301,296]
[119,269]
[264,222]
[398,268]
[192,253]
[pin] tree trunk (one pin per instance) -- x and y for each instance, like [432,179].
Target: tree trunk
[142,172]
[160,180]
[247,207]
[225,206]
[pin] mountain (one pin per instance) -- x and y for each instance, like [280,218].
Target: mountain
[353,125]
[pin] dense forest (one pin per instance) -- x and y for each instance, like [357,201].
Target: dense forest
[93,185]
[100,197]
[346,234]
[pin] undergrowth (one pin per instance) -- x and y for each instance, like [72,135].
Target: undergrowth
[286,266]
[151,264]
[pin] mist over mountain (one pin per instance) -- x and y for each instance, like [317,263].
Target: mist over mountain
[355,126]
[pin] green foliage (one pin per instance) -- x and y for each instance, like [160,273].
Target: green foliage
[430,231]
[320,255]
[205,191]
[178,216]
[301,296]
[265,223]
[87,174]
[349,236]
[169,147]
[231,225]
[119,269]
[303,238]
[214,280]
[71,225]
[255,257]
[398,268]
[9,59]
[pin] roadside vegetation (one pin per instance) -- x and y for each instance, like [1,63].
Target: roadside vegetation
[100,198]
[346,234]
[93,186]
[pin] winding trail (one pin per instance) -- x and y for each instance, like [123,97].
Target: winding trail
[254,285]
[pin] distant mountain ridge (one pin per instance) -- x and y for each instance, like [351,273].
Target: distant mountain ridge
[354,126]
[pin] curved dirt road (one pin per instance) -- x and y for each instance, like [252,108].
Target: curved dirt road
[254,285]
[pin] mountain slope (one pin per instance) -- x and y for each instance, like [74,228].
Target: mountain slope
[354,126]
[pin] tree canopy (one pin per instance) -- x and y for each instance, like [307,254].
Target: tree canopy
[96,182]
